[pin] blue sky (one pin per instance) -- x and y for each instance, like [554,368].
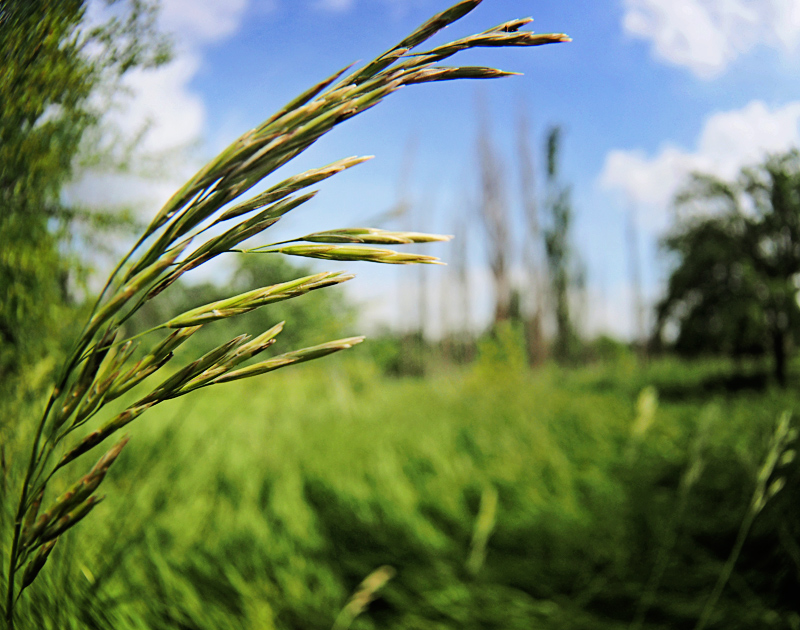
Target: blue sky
[648,91]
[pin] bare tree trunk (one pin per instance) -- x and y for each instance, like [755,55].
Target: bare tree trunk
[462,282]
[494,210]
[533,257]
[425,220]
[635,268]
[422,301]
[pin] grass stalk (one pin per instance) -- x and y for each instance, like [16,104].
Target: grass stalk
[778,454]
[100,366]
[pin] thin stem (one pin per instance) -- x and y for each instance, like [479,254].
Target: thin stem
[261,248]
[727,570]
[780,439]
[35,457]
[21,509]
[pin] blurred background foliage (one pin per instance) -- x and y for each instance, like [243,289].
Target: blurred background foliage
[522,476]
[734,285]
[56,70]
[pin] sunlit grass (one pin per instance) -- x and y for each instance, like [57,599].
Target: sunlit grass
[265,505]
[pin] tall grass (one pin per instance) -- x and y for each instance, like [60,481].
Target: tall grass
[266,508]
[105,363]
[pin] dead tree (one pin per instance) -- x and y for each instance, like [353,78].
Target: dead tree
[532,255]
[495,215]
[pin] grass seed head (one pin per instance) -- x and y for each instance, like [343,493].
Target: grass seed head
[200,202]
[290,358]
[37,563]
[355,253]
[70,519]
[372,236]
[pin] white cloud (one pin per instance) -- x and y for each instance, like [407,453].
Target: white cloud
[707,35]
[163,99]
[728,141]
[160,106]
[202,20]
[165,119]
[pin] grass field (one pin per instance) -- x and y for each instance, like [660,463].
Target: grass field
[502,497]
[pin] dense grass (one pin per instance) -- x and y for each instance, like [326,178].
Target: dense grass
[264,503]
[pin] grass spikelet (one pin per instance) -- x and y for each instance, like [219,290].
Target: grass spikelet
[101,434]
[257,298]
[372,236]
[241,354]
[442,73]
[363,596]
[291,185]
[70,519]
[290,358]
[37,563]
[353,253]
[75,495]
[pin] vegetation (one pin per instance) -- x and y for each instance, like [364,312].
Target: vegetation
[616,494]
[48,82]
[734,284]
[106,361]
[502,498]
[562,265]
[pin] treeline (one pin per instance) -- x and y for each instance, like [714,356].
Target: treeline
[733,256]
[734,286]
[734,249]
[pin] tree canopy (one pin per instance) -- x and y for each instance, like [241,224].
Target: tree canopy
[734,285]
[54,63]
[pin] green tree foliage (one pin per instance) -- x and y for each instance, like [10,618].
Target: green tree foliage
[53,65]
[734,287]
[713,292]
[561,258]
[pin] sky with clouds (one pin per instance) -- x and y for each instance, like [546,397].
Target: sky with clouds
[647,92]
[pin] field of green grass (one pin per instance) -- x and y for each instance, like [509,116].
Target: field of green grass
[600,497]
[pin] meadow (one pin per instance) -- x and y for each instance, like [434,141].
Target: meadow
[481,496]
[380,489]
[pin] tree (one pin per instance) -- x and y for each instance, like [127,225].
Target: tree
[733,288]
[53,66]
[495,215]
[562,265]
[532,249]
